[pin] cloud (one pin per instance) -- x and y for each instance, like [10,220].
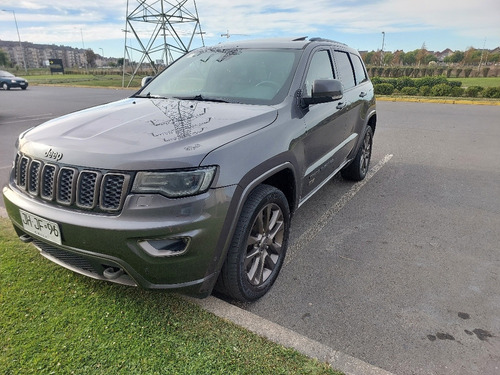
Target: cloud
[472,18]
[60,21]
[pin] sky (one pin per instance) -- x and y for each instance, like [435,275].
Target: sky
[362,24]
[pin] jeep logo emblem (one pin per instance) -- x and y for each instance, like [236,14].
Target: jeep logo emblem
[53,155]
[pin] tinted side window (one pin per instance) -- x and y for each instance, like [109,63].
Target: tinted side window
[359,70]
[319,68]
[344,67]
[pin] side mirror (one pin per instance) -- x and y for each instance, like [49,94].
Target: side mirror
[146,80]
[330,88]
[324,91]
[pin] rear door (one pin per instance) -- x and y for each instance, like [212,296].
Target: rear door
[356,92]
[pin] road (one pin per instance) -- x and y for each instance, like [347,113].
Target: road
[401,271]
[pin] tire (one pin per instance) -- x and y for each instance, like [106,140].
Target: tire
[5,86]
[358,168]
[258,247]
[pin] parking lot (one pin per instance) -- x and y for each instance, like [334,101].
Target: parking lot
[400,270]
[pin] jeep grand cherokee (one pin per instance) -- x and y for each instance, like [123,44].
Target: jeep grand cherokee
[190,183]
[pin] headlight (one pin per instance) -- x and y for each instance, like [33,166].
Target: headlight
[175,184]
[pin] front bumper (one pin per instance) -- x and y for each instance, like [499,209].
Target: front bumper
[155,242]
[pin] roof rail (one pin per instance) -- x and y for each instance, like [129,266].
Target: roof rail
[316,39]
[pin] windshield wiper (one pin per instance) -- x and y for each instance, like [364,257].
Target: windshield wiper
[201,98]
[149,96]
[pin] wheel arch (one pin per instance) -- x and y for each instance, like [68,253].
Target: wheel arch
[281,176]
[372,121]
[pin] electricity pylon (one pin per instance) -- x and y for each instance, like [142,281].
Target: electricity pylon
[157,32]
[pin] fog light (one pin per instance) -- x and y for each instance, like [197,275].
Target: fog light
[165,247]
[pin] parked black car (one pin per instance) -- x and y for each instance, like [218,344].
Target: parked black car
[9,80]
[191,183]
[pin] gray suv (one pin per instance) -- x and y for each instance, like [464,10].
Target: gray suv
[191,183]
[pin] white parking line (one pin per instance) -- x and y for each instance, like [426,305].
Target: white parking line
[314,229]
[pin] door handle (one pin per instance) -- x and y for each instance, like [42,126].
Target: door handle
[362,94]
[341,105]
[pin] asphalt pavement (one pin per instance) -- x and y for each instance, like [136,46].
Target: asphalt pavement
[405,276]
[399,272]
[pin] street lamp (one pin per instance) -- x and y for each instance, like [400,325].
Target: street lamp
[102,57]
[19,37]
[382,50]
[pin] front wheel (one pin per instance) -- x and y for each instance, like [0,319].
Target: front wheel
[258,247]
[5,86]
[358,168]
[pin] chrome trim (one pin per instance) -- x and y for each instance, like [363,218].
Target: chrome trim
[328,156]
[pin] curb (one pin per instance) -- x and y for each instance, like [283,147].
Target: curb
[3,212]
[287,338]
[438,101]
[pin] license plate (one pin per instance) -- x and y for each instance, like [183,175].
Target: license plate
[41,227]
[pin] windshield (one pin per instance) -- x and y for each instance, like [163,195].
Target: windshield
[5,74]
[248,76]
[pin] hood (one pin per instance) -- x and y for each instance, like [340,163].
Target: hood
[139,133]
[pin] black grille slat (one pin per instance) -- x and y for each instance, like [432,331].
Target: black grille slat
[48,181]
[70,186]
[34,177]
[16,171]
[23,172]
[66,185]
[112,191]
[87,189]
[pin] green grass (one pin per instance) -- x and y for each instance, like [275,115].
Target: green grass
[54,321]
[478,81]
[82,80]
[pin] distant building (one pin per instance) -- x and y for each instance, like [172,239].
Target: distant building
[442,55]
[37,54]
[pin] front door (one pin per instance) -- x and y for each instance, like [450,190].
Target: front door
[326,126]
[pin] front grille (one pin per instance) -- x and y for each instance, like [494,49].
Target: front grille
[95,190]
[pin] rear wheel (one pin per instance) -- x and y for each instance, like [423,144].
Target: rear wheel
[258,247]
[5,86]
[358,168]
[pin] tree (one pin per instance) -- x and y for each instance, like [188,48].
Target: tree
[472,56]
[494,57]
[4,58]
[430,58]
[397,57]
[388,57]
[410,58]
[368,57]
[90,56]
[456,57]
[421,54]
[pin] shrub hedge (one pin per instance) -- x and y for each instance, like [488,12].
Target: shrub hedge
[383,88]
[430,86]
[492,92]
